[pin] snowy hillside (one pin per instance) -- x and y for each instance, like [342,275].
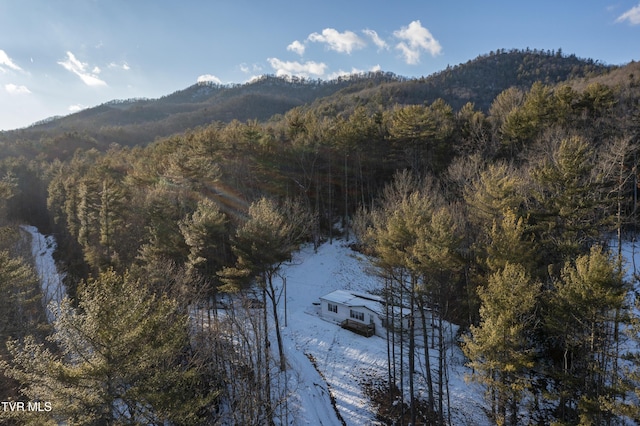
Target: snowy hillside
[345,359]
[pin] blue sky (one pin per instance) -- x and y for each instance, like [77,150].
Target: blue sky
[59,56]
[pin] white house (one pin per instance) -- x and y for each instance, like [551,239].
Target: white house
[360,312]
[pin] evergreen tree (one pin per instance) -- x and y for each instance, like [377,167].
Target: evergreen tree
[420,136]
[397,241]
[503,108]
[123,357]
[569,211]
[113,198]
[524,123]
[21,298]
[163,210]
[264,242]
[20,305]
[438,258]
[586,308]
[501,349]
[496,189]
[205,232]
[8,189]
[416,244]
[511,241]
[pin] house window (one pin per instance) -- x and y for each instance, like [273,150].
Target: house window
[356,315]
[332,308]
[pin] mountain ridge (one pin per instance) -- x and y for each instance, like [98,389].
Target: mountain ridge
[140,121]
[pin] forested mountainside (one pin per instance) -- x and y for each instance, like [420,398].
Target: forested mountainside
[140,121]
[477,81]
[498,218]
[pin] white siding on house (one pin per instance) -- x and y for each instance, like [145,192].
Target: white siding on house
[364,308]
[361,307]
[334,315]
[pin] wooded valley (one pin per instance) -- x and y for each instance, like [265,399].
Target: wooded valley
[494,195]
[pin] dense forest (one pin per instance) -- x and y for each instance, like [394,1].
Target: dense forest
[494,194]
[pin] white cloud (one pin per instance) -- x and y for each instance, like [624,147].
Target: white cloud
[414,40]
[632,15]
[342,73]
[6,61]
[80,69]
[344,42]
[208,78]
[76,108]
[12,89]
[354,71]
[247,69]
[376,39]
[306,69]
[297,47]
[124,66]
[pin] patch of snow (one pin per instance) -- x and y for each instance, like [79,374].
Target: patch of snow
[343,359]
[346,359]
[53,288]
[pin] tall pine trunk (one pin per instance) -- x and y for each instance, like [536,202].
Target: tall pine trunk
[412,348]
[427,358]
[273,297]
[267,349]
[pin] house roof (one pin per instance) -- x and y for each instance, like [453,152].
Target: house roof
[353,299]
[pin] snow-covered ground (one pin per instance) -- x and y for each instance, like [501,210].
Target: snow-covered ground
[346,359]
[42,249]
[631,255]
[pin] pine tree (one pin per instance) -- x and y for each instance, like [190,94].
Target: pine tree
[501,348]
[524,123]
[123,358]
[20,305]
[438,258]
[111,217]
[497,189]
[8,189]
[420,134]
[264,242]
[21,297]
[396,250]
[586,308]
[416,243]
[569,210]
[204,233]
[511,241]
